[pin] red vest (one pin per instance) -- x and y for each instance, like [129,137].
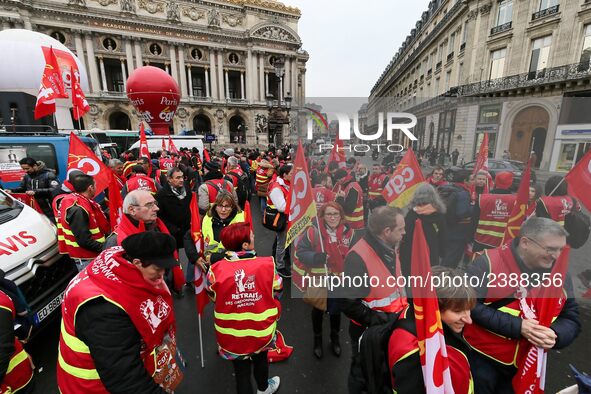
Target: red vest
[355,219]
[374,183]
[246,312]
[403,344]
[504,350]
[141,182]
[336,253]
[284,189]
[19,372]
[98,225]
[381,298]
[495,210]
[558,207]
[214,186]
[236,173]
[150,310]
[322,195]
[55,206]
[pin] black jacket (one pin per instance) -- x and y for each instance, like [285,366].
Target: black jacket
[44,183]
[174,212]
[78,220]
[435,228]
[567,326]
[115,346]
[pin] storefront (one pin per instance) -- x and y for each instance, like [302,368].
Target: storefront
[571,143]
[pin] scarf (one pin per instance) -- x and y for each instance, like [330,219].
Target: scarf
[180,193]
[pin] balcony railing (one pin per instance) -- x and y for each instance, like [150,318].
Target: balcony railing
[438,66]
[429,72]
[544,13]
[450,56]
[501,28]
[569,72]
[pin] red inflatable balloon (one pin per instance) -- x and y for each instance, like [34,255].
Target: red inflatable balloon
[155,95]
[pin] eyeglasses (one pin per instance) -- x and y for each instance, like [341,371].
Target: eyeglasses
[226,207]
[547,250]
[149,205]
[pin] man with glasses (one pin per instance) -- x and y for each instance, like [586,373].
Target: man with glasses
[140,213]
[505,317]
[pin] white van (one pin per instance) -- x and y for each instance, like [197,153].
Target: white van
[30,258]
[184,141]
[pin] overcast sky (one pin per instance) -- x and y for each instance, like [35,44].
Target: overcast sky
[350,42]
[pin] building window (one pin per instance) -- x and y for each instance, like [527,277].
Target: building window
[586,51]
[465,32]
[109,44]
[440,53]
[489,114]
[58,35]
[451,43]
[447,80]
[497,63]
[460,74]
[539,57]
[545,4]
[505,14]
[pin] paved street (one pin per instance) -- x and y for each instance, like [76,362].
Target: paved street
[302,373]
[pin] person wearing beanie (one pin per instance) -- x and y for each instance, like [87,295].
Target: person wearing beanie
[213,182]
[503,183]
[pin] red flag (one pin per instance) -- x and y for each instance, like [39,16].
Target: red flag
[481,164]
[27,200]
[80,157]
[248,214]
[164,145]
[201,297]
[302,206]
[52,86]
[531,372]
[579,180]
[337,154]
[403,182]
[171,146]
[518,214]
[206,156]
[79,104]
[115,201]
[433,352]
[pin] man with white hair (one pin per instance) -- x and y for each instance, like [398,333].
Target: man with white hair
[140,213]
[117,166]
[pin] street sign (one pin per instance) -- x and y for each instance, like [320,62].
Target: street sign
[210,137]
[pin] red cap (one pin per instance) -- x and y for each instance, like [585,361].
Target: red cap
[504,180]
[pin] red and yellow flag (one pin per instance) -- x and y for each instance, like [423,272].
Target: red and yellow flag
[403,182]
[432,349]
[518,214]
[302,207]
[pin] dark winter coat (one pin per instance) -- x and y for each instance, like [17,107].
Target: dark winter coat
[44,183]
[174,212]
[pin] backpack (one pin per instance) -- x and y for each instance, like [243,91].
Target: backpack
[578,226]
[373,351]
[242,189]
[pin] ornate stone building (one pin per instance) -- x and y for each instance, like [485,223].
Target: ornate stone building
[514,69]
[221,53]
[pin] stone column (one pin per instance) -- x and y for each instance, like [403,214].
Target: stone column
[266,84]
[249,76]
[92,69]
[214,82]
[222,89]
[227,84]
[183,70]
[190,77]
[262,79]
[129,55]
[124,74]
[242,85]
[138,53]
[294,78]
[173,63]
[303,88]
[103,75]
[167,68]
[207,91]
[80,49]
[287,77]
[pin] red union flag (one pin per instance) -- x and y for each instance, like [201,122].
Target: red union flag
[481,164]
[171,146]
[52,86]
[79,104]
[302,207]
[579,180]
[518,213]
[432,349]
[531,372]
[337,154]
[201,297]
[402,184]
[144,151]
[80,157]
[115,201]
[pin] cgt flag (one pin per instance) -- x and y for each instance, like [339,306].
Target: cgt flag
[337,154]
[171,146]
[531,372]
[433,352]
[518,214]
[115,201]
[201,297]
[481,164]
[407,177]
[80,157]
[79,104]
[52,86]
[302,207]
[579,180]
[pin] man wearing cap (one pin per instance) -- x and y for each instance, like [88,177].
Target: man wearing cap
[118,329]
[213,182]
